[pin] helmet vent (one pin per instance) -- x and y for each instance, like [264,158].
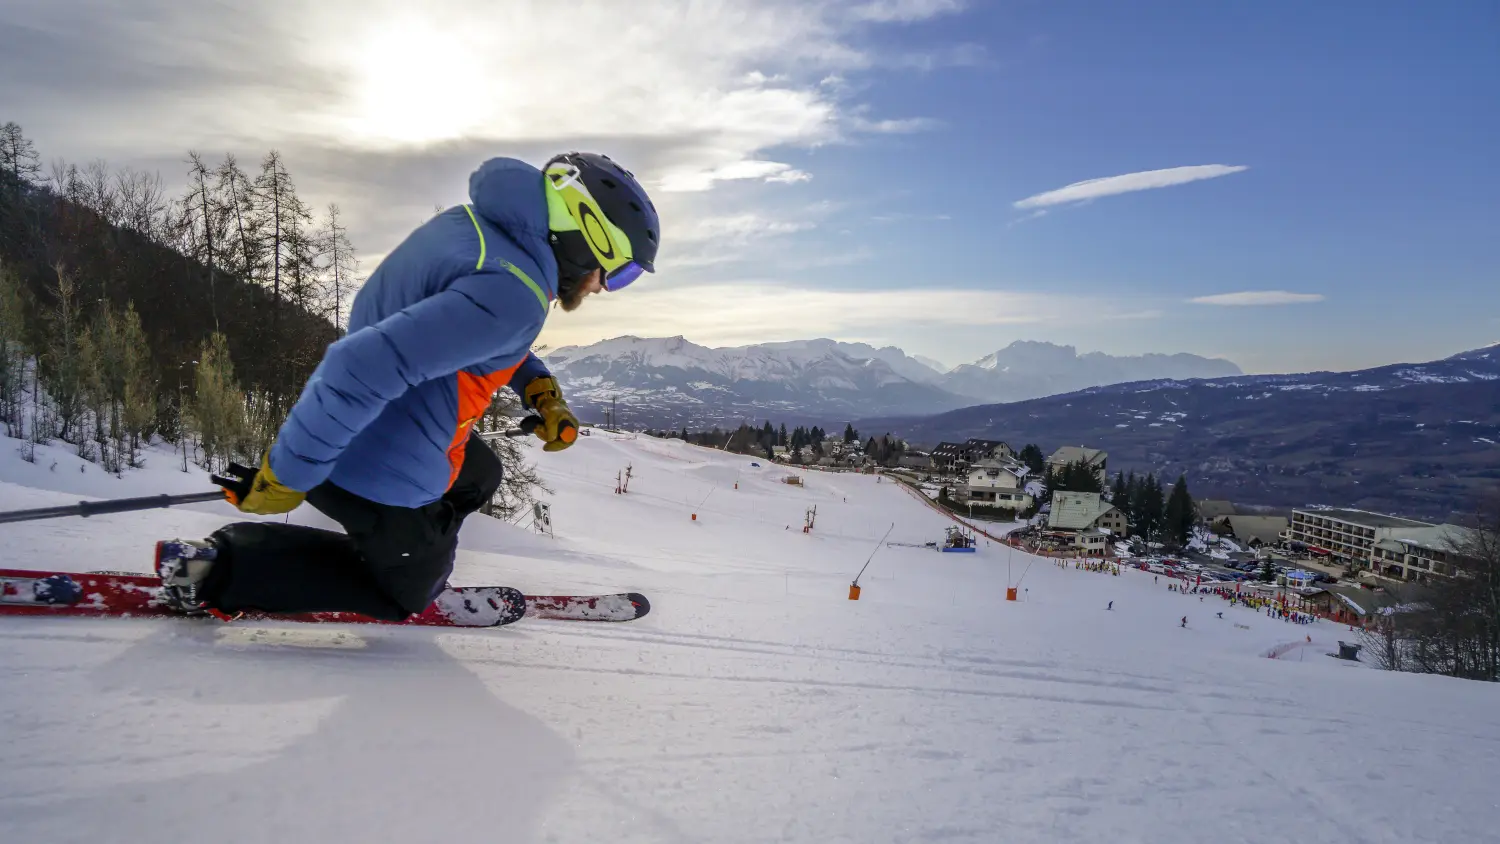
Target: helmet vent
[609,183]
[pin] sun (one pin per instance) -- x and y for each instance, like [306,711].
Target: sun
[412,83]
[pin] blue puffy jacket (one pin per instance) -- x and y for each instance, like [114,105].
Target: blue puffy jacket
[446,319]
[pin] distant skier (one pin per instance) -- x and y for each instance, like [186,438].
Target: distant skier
[1184,621]
[381,439]
[1111,605]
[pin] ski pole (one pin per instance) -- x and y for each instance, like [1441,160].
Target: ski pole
[117,505]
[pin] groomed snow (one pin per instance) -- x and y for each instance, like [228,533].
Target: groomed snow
[756,703]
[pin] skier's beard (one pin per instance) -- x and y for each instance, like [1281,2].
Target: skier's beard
[570,293]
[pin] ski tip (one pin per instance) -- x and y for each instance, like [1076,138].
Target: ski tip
[642,606]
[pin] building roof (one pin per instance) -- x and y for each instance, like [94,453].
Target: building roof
[1267,529]
[1364,518]
[1367,602]
[991,463]
[1075,454]
[1076,510]
[1433,537]
[977,443]
[1210,509]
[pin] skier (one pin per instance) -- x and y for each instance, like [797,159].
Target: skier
[1184,622]
[380,438]
[1111,605]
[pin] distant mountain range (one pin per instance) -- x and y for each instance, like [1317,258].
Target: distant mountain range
[670,382]
[1028,370]
[1414,439]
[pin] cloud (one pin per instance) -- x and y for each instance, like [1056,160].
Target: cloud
[901,126]
[739,228]
[1258,297]
[1127,183]
[393,104]
[909,217]
[1040,212]
[903,11]
[766,171]
[1117,316]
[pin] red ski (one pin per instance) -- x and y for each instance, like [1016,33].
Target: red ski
[126,595]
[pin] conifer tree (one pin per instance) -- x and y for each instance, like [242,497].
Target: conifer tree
[1180,513]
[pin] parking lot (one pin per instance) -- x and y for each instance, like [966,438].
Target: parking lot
[1240,568]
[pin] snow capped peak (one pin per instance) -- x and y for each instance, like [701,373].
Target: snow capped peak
[672,379]
[760,361]
[932,363]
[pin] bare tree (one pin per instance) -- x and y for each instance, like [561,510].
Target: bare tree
[242,224]
[1453,626]
[342,265]
[285,222]
[98,191]
[205,222]
[143,204]
[18,155]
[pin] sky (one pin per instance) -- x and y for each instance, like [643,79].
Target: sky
[1292,186]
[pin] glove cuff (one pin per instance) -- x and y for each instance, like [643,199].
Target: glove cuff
[540,388]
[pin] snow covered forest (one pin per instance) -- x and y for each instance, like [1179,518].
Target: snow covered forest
[127,314]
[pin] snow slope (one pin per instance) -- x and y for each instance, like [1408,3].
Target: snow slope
[756,703]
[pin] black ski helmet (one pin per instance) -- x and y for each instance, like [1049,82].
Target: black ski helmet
[579,240]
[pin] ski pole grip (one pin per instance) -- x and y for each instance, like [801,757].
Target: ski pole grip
[527,427]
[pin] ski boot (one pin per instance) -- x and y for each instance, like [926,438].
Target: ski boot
[182,564]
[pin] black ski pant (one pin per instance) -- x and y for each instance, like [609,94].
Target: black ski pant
[390,563]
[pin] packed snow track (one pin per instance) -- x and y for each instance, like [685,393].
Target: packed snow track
[755,703]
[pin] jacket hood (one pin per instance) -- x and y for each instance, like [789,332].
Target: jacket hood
[509,193]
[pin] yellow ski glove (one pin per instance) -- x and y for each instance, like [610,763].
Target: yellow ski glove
[559,428]
[258,492]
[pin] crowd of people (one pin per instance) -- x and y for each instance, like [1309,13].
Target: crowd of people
[1085,564]
[1272,608]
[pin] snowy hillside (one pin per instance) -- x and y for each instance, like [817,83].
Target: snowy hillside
[756,703]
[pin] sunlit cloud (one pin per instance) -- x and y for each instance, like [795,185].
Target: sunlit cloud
[396,103]
[1257,297]
[1127,183]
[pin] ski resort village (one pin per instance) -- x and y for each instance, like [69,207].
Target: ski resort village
[704,422]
